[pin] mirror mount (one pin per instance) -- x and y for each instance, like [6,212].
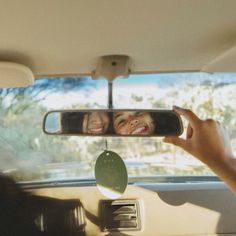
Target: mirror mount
[110,68]
[110,95]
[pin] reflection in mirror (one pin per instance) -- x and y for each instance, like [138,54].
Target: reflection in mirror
[52,123]
[114,123]
[134,122]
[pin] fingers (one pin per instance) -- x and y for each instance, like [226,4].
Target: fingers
[176,141]
[189,132]
[188,114]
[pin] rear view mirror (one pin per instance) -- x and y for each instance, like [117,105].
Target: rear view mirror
[113,123]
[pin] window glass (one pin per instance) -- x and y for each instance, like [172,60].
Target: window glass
[27,154]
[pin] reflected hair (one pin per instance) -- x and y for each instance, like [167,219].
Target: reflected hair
[71,122]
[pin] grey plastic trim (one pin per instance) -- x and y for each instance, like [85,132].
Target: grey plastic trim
[183,186]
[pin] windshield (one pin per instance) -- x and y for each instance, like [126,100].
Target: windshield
[27,154]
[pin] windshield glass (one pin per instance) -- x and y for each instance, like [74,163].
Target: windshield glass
[27,154]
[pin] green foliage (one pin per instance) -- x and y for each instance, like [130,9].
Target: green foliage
[137,98]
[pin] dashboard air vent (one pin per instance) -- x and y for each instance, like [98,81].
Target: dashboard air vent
[120,215]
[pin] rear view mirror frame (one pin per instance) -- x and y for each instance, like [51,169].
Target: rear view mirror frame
[164,130]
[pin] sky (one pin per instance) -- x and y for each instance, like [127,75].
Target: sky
[95,91]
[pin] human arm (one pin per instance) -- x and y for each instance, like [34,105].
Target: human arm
[208,141]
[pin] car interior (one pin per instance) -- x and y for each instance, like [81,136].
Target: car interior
[64,64]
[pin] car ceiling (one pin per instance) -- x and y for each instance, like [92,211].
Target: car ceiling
[67,37]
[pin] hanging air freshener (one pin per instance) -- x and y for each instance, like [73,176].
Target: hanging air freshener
[111,174]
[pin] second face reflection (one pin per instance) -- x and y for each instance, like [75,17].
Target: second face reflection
[133,123]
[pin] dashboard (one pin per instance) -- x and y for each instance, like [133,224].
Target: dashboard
[157,209]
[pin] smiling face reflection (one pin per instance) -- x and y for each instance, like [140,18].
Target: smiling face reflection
[136,123]
[95,123]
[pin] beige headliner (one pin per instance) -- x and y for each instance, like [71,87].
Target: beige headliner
[62,37]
